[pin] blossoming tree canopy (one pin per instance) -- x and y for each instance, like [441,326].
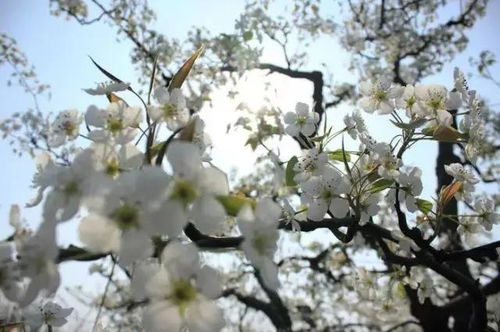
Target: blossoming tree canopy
[184,246]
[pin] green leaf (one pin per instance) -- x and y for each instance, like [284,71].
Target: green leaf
[155,149]
[253,142]
[181,75]
[401,290]
[411,125]
[339,155]
[424,205]
[380,185]
[446,134]
[233,203]
[318,138]
[247,35]
[290,173]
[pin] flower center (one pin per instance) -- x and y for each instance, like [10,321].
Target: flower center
[115,125]
[301,120]
[126,216]
[183,293]
[184,191]
[169,110]
[380,95]
[69,128]
[112,168]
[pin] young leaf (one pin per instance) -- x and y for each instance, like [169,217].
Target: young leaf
[446,134]
[233,203]
[424,205]
[448,192]
[181,75]
[339,155]
[380,185]
[290,173]
[411,125]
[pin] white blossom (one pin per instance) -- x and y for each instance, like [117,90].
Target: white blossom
[302,121]
[51,314]
[172,108]
[105,88]
[379,96]
[260,233]
[180,292]
[66,127]
[118,121]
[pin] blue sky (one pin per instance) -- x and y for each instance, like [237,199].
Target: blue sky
[59,48]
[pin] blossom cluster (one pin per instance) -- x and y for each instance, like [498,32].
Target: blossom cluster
[134,206]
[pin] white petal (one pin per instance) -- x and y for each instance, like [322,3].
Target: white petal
[269,272]
[204,316]
[308,129]
[170,219]
[134,245]
[292,130]
[209,281]
[162,317]
[208,215]
[185,158]
[302,109]
[290,117]
[339,207]
[99,233]
[317,210]
[213,180]
[181,260]
[95,117]
[268,211]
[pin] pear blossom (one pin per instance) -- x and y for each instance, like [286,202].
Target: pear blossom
[311,163]
[70,185]
[405,244]
[410,187]
[388,163]
[378,96]
[485,208]
[118,121]
[46,170]
[472,124]
[289,215]
[65,127]
[260,233]
[111,159]
[461,83]
[193,190]
[425,288]
[322,193]
[180,292]
[462,174]
[9,272]
[129,212]
[302,121]
[368,207]
[51,314]
[36,259]
[365,284]
[105,88]
[408,102]
[467,227]
[355,124]
[434,97]
[172,108]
